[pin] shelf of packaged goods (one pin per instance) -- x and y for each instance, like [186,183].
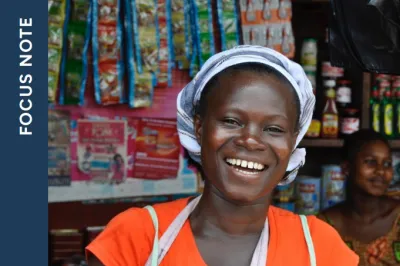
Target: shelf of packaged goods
[395,144]
[322,143]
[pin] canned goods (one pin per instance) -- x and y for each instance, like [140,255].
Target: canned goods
[333,186]
[308,193]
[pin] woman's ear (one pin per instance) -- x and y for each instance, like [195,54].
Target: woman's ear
[198,127]
[345,168]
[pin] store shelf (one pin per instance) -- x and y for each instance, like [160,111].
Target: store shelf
[323,143]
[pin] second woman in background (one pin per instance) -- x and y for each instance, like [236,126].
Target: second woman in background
[368,221]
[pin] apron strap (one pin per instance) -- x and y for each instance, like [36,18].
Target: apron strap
[154,253]
[309,242]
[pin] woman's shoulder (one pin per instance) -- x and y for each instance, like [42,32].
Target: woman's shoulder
[135,218]
[328,244]
[129,235]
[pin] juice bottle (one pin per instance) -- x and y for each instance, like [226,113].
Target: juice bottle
[387,110]
[375,107]
[330,116]
[396,90]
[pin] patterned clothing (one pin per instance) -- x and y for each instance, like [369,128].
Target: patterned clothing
[384,251]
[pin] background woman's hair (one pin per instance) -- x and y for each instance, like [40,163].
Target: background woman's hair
[245,67]
[356,141]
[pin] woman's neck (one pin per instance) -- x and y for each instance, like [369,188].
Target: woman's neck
[366,208]
[215,214]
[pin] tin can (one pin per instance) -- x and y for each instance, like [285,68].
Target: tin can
[333,186]
[308,195]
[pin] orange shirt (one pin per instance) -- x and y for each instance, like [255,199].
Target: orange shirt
[128,239]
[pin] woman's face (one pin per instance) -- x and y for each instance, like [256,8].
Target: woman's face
[247,134]
[373,168]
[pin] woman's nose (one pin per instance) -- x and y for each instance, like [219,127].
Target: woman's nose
[250,139]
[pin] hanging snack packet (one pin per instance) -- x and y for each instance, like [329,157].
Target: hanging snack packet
[108,65]
[144,40]
[180,32]
[228,24]
[145,27]
[188,33]
[56,19]
[203,29]
[164,78]
[73,78]
[142,96]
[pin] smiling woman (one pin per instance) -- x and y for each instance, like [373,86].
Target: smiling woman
[241,118]
[368,221]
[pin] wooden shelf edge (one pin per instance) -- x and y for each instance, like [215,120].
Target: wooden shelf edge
[322,143]
[336,143]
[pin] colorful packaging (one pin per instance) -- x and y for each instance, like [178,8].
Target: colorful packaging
[333,186]
[74,65]
[308,192]
[203,22]
[56,36]
[289,206]
[268,23]
[189,36]
[394,189]
[284,193]
[108,67]
[144,39]
[59,169]
[164,77]
[157,149]
[180,30]
[228,24]
[145,28]
[102,150]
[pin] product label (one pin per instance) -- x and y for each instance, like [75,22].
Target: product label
[343,95]
[314,129]
[375,117]
[388,119]
[350,125]
[330,125]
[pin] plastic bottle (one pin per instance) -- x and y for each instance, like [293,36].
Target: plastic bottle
[330,115]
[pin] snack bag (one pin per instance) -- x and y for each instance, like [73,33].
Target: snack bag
[145,27]
[144,39]
[203,29]
[108,64]
[228,22]
[180,30]
[75,66]
[57,16]
[164,77]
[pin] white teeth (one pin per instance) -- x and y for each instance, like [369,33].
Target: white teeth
[250,165]
[245,164]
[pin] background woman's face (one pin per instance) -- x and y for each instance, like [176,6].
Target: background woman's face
[373,168]
[247,134]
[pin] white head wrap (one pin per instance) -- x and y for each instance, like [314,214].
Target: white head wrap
[189,97]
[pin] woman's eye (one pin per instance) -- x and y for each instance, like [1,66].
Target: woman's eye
[387,164]
[231,121]
[274,130]
[370,162]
